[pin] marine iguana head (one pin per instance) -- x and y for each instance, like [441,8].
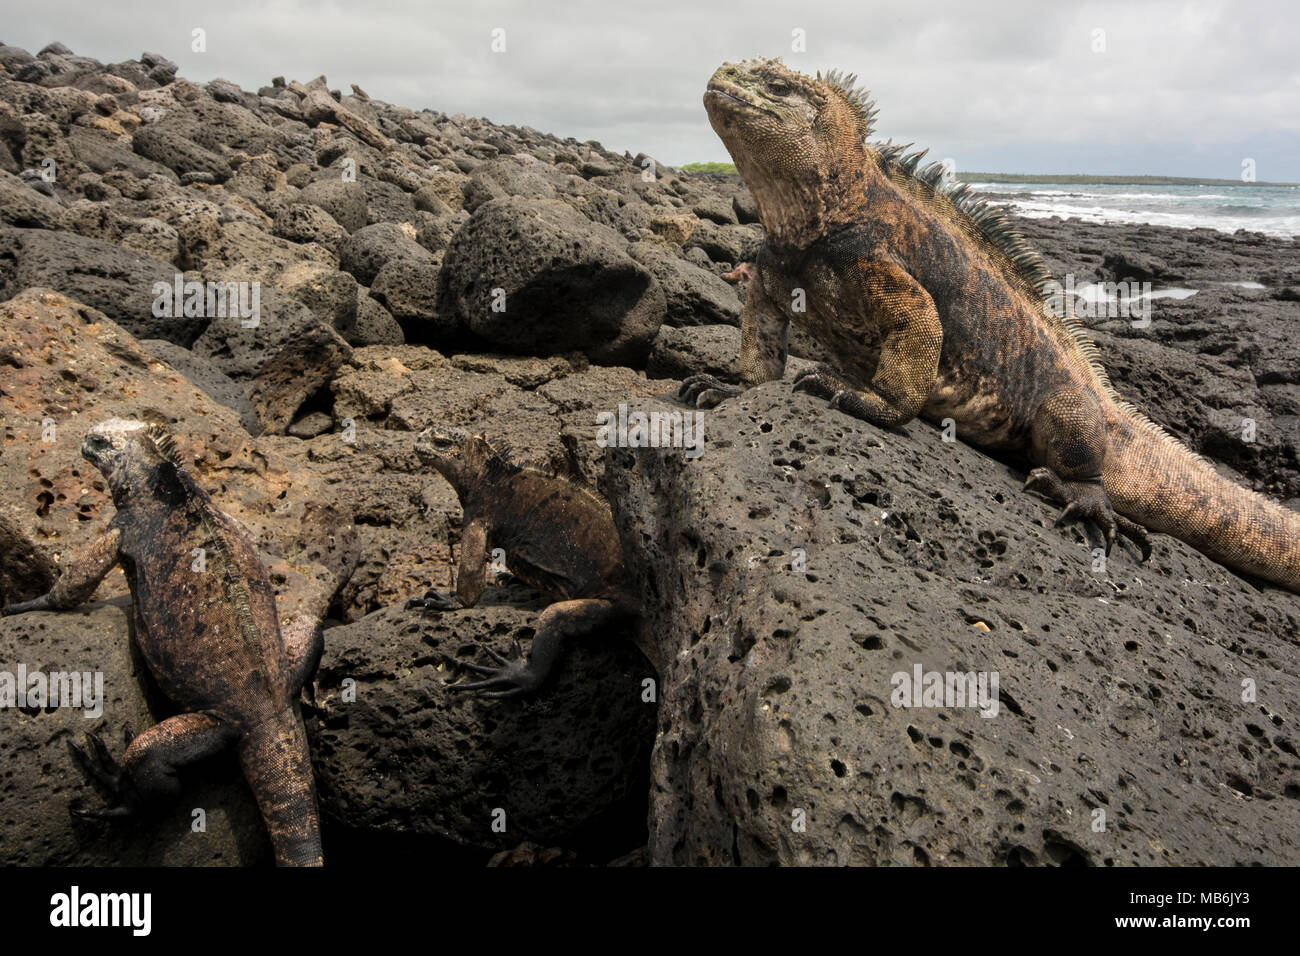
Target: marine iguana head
[796,141]
[458,456]
[129,453]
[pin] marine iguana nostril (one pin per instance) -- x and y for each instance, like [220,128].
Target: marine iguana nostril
[206,625]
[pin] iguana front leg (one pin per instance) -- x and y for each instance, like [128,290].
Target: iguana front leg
[471,573]
[79,575]
[1069,436]
[555,625]
[909,356]
[147,773]
[764,332]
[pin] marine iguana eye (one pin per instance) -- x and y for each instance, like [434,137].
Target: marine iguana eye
[779,87]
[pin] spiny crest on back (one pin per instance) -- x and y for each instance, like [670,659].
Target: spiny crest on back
[936,178]
[499,455]
[162,440]
[966,209]
[1020,261]
[977,217]
[501,463]
[854,96]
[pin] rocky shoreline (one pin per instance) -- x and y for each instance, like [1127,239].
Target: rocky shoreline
[368,243]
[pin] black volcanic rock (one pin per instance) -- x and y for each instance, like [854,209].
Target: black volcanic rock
[807,558]
[569,278]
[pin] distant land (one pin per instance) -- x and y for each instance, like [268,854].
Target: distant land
[1081,179]
[724,168]
[1075,179]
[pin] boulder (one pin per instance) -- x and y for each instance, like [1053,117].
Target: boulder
[105,276]
[68,367]
[171,145]
[405,753]
[367,250]
[407,289]
[22,206]
[810,565]
[694,296]
[535,276]
[344,201]
[283,360]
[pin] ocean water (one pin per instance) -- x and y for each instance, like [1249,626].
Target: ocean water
[1272,210]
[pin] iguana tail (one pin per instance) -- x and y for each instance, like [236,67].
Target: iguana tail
[1159,483]
[277,764]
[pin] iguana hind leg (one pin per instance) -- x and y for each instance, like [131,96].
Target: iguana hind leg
[555,625]
[147,773]
[1069,437]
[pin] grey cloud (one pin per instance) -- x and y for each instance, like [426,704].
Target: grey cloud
[1014,83]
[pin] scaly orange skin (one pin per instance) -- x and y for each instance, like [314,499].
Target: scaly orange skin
[934,307]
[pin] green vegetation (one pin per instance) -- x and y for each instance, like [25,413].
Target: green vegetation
[1080,179]
[709,168]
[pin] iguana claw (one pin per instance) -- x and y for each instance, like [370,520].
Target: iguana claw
[705,391]
[1088,502]
[515,676]
[822,382]
[108,777]
[825,382]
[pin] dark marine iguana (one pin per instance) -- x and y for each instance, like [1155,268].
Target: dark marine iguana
[205,622]
[935,307]
[558,539]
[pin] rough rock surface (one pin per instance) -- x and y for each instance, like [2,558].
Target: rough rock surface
[1120,691]
[533,275]
[405,754]
[39,780]
[67,367]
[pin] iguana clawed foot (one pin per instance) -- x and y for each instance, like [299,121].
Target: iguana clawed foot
[705,391]
[108,777]
[434,600]
[1087,501]
[514,677]
[824,382]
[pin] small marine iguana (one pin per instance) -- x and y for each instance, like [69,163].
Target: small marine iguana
[205,622]
[558,539]
[935,306]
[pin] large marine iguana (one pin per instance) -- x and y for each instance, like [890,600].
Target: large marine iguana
[558,538]
[205,622]
[935,306]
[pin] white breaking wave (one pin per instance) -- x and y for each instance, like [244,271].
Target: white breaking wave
[1282,226]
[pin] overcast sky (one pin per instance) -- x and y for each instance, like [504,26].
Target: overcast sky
[1048,86]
